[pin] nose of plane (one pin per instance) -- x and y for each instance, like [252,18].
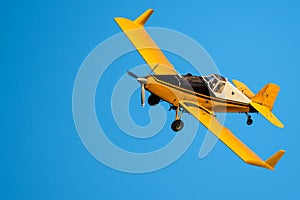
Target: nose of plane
[142,80]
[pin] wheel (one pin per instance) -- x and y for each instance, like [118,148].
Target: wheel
[177,125]
[153,100]
[249,121]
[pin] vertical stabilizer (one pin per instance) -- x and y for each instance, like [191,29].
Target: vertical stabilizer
[267,96]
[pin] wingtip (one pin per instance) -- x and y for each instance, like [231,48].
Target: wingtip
[142,19]
[281,125]
[270,163]
[273,160]
[260,163]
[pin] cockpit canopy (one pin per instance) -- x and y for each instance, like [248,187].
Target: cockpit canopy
[215,82]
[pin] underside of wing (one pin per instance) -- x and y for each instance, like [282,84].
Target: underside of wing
[227,137]
[144,44]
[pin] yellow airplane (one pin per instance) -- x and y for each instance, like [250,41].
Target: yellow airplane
[201,96]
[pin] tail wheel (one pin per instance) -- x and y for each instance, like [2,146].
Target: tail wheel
[249,121]
[177,125]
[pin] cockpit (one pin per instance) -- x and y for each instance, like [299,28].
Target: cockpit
[215,82]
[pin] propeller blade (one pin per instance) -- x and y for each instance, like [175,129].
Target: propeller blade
[153,68]
[132,74]
[143,94]
[142,81]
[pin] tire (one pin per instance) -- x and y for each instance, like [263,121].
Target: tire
[177,125]
[249,121]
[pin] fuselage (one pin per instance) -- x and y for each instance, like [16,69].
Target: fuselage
[213,92]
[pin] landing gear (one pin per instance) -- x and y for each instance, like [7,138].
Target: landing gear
[153,100]
[177,125]
[249,120]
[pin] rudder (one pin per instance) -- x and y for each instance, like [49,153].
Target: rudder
[264,100]
[267,95]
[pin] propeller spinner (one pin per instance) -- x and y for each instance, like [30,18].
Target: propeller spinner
[142,81]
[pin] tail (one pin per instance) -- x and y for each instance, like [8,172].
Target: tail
[264,100]
[267,96]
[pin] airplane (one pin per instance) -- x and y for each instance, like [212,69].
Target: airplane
[200,96]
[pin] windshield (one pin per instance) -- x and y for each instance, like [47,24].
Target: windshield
[221,78]
[220,87]
[215,82]
[209,77]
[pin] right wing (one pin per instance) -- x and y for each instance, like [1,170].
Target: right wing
[144,44]
[227,137]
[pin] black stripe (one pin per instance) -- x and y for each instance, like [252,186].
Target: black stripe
[226,101]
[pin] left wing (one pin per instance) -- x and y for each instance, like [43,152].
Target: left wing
[227,137]
[144,44]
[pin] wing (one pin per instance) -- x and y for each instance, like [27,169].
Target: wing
[142,41]
[227,137]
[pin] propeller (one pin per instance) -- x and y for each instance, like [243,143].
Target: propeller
[143,95]
[142,81]
[132,74]
[152,70]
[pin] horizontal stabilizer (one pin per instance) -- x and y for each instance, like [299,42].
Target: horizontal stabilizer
[243,88]
[267,114]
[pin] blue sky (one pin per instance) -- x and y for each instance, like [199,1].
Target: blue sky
[43,44]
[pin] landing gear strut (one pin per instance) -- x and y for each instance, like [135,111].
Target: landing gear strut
[178,124]
[249,120]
